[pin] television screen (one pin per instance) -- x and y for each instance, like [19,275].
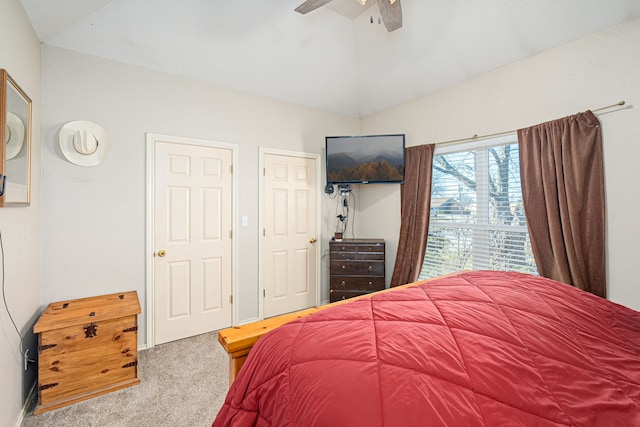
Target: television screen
[365,159]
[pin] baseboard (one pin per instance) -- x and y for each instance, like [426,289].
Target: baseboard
[244,322]
[27,404]
[142,347]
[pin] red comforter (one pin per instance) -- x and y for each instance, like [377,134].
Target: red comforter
[474,349]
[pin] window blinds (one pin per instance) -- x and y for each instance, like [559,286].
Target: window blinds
[477,219]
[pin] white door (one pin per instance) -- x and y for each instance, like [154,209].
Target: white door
[192,239]
[289,243]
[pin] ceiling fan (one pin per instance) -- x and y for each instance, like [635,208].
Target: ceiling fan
[390,11]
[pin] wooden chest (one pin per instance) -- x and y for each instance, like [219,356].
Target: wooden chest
[86,347]
[356,267]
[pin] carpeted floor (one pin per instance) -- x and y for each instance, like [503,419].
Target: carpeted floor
[182,384]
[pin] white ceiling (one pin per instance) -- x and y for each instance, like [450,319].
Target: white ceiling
[333,58]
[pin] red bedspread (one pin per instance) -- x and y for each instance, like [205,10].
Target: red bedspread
[474,349]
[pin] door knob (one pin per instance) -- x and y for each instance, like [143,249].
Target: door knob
[312,240]
[161,253]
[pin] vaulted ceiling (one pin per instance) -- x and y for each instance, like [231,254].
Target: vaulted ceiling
[333,58]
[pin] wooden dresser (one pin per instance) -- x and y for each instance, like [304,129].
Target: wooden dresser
[86,347]
[356,267]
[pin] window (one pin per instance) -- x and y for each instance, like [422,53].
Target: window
[477,217]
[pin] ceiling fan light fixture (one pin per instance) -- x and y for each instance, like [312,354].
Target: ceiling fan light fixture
[390,11]
[363,2]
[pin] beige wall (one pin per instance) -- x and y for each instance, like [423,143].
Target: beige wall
[588,73]
[20,226]
[94,217]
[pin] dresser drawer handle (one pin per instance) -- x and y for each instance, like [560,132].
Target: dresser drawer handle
[343,283]
[344,266]
[371,283]
[370,267]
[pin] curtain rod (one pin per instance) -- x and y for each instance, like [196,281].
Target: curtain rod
[492,135]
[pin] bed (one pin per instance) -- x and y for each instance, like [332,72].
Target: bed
[472,349]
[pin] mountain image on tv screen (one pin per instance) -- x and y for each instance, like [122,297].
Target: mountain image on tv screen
[365,159]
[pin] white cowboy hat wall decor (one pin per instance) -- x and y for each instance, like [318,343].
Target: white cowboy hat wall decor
[14,135]
[84,143]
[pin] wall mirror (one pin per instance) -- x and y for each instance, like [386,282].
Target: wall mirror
[15,136]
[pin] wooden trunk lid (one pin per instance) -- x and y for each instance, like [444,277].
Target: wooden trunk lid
[64,314]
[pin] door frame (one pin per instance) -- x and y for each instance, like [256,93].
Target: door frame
[152,140]
[316,157]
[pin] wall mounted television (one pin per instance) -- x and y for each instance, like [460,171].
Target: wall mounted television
[365,159]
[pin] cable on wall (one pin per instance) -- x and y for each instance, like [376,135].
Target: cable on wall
[342,213]
[25,355]
[353,217]
[343,210]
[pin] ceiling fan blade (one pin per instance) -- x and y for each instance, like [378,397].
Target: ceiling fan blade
[310,5]
[391,14]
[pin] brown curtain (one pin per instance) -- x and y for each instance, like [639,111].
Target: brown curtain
[561,169]
[415,202]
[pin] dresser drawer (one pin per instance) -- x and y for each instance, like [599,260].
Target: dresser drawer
[375,256]
[356,256]
[340,295]
[343,247]
[344,255]
[376,247]
[357,268]
[354,283]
